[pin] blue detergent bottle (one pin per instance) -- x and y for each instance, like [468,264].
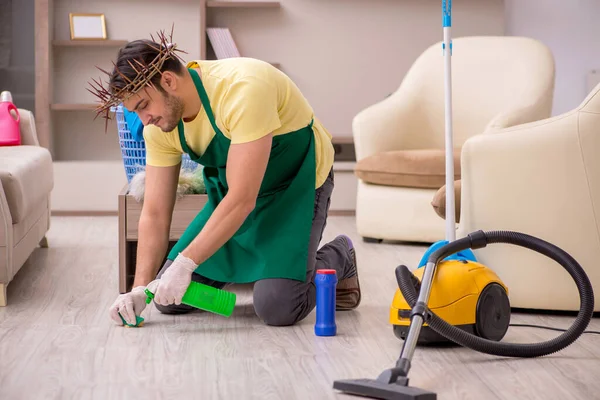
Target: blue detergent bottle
[326,282]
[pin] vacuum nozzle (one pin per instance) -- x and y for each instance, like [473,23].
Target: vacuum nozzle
[377,389]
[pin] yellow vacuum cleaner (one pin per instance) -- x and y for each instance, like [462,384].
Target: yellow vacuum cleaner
[471,296]
[464,293]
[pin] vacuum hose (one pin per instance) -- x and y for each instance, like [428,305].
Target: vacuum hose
[409,288]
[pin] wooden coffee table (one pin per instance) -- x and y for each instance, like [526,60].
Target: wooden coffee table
[186,209]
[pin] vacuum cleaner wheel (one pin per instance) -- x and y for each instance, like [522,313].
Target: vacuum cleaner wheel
[493,313]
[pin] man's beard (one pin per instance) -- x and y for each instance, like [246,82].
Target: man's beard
[174,112]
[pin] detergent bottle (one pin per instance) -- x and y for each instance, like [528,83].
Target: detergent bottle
[10,133]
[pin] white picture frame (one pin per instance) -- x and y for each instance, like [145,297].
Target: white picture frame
[87,26]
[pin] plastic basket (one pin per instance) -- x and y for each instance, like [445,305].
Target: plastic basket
[133,152]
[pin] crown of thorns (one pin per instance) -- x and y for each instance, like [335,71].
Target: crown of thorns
[110,96]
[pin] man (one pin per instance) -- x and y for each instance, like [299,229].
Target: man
[268,173]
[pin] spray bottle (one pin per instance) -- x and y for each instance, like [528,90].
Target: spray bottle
[10,133]
[198,295]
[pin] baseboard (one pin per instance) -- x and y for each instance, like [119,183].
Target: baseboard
[335,213]
[341,213]
[81,213]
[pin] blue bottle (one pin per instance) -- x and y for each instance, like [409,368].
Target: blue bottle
[326,282]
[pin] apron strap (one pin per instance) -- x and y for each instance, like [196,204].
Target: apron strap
[184,145]
[207,108]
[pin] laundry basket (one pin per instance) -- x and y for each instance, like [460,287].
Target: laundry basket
[134,151]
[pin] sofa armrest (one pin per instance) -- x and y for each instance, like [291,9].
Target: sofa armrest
[27,127]
[529,178]
[383,126]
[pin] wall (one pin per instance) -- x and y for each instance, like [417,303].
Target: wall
[344,54]
[19,77]
[347,54]
[571,30]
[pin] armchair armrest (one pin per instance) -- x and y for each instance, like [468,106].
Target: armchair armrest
[384,126]
[529,178]
[520,116]
[27,127]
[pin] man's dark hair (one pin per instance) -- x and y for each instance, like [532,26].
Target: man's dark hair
[141,53]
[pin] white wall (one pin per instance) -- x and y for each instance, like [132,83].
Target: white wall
[348,54]
[572,31]
[344,54]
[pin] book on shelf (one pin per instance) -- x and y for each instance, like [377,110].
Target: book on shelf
[222,43]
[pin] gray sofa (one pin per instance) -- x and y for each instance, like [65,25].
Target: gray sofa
[26,181]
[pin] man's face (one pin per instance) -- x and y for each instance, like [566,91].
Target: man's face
[163,110]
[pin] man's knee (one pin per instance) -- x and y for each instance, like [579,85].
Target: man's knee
[172,309]
[276,306]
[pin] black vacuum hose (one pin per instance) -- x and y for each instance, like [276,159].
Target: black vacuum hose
[406,282]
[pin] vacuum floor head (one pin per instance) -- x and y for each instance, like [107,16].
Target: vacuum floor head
[376,389]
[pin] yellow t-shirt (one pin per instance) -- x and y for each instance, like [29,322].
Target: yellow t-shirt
[250,99]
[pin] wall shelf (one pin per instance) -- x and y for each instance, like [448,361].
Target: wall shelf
[242,4]
[72,107]
[89,43]
[85,148]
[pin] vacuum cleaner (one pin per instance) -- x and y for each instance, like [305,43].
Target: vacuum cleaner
[393,383]
[452,297]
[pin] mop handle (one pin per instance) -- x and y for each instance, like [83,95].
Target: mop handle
[447,51]
[447,13]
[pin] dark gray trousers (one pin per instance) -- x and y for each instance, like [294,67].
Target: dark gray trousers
[285,301]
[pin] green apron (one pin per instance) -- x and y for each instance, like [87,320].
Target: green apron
[273,240]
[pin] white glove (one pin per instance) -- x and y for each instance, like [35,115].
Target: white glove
[129,305]
[175,281]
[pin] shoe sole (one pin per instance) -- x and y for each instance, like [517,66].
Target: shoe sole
[357,282]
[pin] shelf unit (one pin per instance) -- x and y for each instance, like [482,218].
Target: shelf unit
[89,43]
[208,5]
[72,107]
[243,4]
[88,168]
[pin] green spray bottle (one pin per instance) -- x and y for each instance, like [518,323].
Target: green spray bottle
[205,298]
[198,295]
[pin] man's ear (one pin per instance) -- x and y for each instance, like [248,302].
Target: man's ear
[168,81]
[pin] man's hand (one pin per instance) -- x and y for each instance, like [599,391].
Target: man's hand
[175,281]
[129,305]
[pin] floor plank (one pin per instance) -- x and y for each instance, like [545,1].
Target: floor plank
[57,341]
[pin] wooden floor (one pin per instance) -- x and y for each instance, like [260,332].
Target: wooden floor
[57,341]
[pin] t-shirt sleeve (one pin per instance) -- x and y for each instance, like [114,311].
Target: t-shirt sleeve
[159,152]
[250,110]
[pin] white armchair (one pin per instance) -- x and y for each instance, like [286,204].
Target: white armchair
[399,141]
[542,179]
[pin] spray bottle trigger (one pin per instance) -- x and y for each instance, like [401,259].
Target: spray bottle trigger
[149,296]
[150,290]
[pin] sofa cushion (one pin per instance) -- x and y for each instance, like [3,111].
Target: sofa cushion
[439,201]
[27,177]
[407,168]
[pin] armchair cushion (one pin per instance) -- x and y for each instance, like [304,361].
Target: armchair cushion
[439,201]
[407,168]
[26,175]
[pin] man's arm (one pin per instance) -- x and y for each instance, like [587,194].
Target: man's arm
[246,166]
[155,221]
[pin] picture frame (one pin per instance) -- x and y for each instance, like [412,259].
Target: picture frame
[86,26]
